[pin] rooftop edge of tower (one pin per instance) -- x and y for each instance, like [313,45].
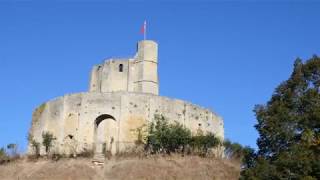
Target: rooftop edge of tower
[147,41]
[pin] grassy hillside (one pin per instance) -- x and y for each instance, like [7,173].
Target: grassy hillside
[170,167]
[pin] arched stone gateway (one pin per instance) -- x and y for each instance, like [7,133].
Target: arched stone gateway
[105,134]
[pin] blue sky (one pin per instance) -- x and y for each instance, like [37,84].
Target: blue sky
[227,56]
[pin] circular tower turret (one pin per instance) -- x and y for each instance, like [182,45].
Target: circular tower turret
[147,59]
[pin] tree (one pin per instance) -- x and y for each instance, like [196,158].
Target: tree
[47,141]
[36,147]
[34,144]
[232,150]
[289,128]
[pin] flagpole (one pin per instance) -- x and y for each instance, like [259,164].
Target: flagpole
[145,30]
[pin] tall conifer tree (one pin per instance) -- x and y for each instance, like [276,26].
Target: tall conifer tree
[289,128]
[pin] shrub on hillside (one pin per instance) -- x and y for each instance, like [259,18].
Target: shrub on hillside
[243,153]
[86,153]
[35,147]
[201,144]
[168,138]
[4,157]
[9,154]
[232,150]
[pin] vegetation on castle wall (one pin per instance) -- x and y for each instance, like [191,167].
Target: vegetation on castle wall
[37,113]
[41,108]
[289,128]
[141,134]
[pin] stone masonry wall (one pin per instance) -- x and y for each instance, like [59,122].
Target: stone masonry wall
[71,118]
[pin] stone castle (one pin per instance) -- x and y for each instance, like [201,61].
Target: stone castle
[123,96]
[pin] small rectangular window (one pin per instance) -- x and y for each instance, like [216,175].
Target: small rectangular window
[121,68]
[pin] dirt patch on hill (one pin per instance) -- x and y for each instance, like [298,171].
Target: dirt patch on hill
[173,167]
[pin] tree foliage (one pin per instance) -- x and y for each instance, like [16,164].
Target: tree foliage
[243,153]
[203,143]
[289,128]
[34,145]
[47,140]
[232,150]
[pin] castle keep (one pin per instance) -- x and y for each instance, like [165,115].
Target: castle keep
[138,74]
[123,96]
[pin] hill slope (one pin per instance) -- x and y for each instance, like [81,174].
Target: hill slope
[173,167]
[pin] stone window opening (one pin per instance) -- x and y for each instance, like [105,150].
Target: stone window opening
[70,136]
[120,67]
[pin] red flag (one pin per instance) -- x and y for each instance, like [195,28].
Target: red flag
[142,29]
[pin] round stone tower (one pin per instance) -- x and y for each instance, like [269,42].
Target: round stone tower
[123,96]
[147,61]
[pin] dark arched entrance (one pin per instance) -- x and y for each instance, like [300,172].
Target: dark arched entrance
[105,130]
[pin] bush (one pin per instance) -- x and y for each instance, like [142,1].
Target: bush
[246,154]
[4,157]
[232,150]
[86,153]
[203,143]
[56,156]
[47,140]
[166,138]
[175,138]
[132,151]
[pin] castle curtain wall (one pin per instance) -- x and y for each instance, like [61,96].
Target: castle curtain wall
[75,115]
